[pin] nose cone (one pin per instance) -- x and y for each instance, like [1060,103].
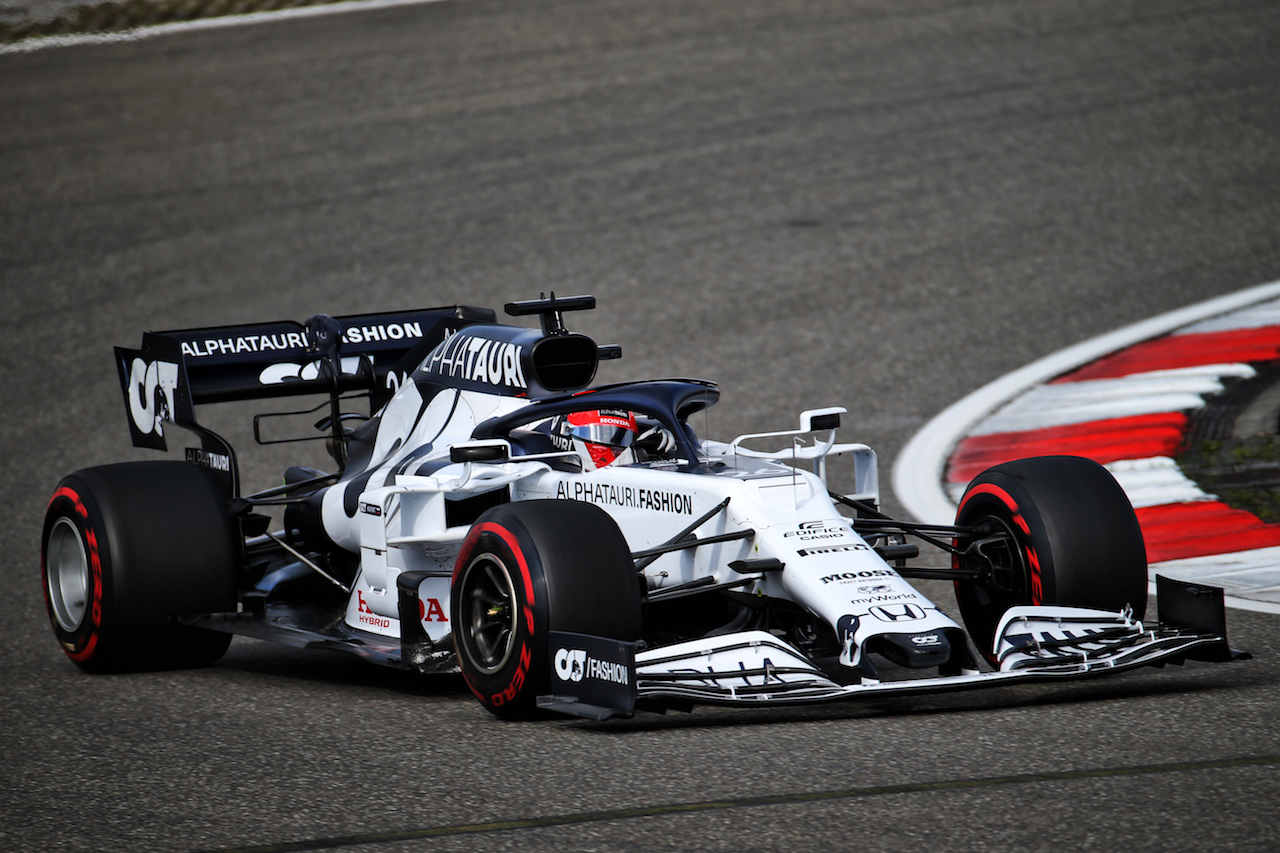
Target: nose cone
[917,651]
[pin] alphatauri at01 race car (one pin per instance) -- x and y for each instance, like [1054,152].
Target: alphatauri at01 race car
[572,548]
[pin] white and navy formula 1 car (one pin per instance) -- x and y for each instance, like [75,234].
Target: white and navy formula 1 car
[573,548]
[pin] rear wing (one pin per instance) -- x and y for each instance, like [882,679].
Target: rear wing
[174,371]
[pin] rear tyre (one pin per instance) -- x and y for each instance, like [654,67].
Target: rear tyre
[527,569]
[126,550]
[1061,531]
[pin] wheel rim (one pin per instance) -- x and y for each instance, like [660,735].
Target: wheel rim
[488,598]
[1009,570]
[67,565]
[982,603]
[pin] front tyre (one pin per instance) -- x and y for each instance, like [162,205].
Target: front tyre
[126,549]
[1051,530]
[527,569]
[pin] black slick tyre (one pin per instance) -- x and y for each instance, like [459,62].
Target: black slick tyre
[529,568]
[1054,530]
[127,549]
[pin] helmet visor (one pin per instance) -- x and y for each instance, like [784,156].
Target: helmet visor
[614,429]
[614,436]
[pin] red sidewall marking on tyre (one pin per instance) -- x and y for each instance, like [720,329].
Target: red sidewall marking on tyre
[1033,559]
[526,655]
[1037,584]
[95,574]
[1004,498]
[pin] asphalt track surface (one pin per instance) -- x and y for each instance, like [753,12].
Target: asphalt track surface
[882,205]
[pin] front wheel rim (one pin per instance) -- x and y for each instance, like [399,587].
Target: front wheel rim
[67,565]
[1006,557]
[489,609]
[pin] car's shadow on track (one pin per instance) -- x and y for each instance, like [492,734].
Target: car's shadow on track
[336,669]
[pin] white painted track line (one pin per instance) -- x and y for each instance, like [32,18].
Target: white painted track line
[918,471]
[221,22]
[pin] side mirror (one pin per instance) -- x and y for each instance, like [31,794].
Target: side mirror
[813,420]
[480,451]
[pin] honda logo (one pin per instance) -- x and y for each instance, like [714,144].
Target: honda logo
[898,612]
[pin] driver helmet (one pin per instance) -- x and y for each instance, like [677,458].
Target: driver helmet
[601,436]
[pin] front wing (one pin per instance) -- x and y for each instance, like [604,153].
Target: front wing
[757,668]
